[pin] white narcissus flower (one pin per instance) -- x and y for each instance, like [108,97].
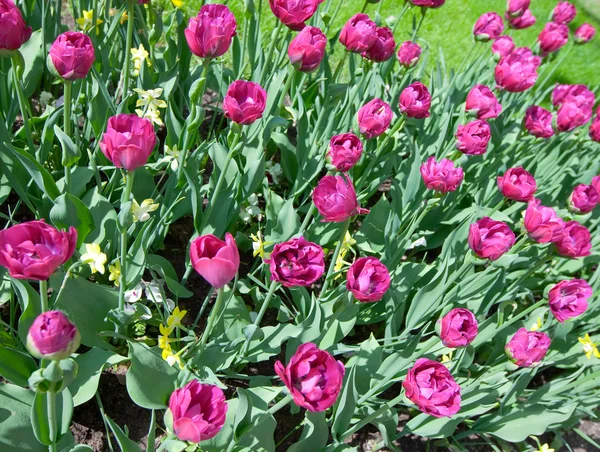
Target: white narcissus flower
[154,291]
[134,295]
[142,212]
[94,257]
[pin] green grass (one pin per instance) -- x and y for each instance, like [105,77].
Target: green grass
[449,29]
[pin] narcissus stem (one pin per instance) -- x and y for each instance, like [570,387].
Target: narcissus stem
[123,276]
[18,63]
[334,257]
[68,94]
[128,43]
[211,319]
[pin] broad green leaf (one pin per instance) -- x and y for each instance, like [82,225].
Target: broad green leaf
[126,444]
[71,211]
[16,366]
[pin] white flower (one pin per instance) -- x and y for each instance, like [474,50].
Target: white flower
[419,242]
[154,291]
[142,212]
[274,169]
[46,98]
[135,294]
[171,157]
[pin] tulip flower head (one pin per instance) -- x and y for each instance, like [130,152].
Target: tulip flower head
[217,261]
[52,336]
[210,33]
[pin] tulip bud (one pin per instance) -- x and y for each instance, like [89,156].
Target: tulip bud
[553,37]
[359,33]
[526,20]
[584,34]
[527,348]
[516,8]
[538,122]
[374,118]
[482,103]
[564,13]
[490,239]
[578,94]
[313,377]
[415,101]
[473,138]
[571,115]
[502,46]
[458,328]
[383,47]
[14,32]
[409,54]
[488,26]
[368,279]
[210,33]
[306,51]
[583,199]
[296,262]
[345,151]
[443,176]
[595,132]
[517,71]
[294,13]
[428,3]
[52,336]
[217,261]
[72,55]
[569,299]
[335,199]
[517,184]
[244,102]
[128,141]
[541,222]
[575,241]
[596,183]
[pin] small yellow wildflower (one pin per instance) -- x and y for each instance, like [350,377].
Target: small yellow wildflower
[347,245]
[139,55]
[177,3]
[545,448]
[589,347]
[175,318]
[86,21]
[447,358]
[142,212]
[151,98]
[165,331]
[113,12]
[537,325]
[172,156]
[115,272]
[94,257]
[258,246]
[170,358]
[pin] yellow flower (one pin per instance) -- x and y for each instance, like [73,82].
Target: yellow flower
[175,318]
[150,97]
[589,347]
[113,11]
[139,55]
[545,448]
[447,358]
[142,212]
[177,3]
[170,358]
[258,246]
[94,257]
[346,246]
[172,157]
[86,22]
[164,330]
[537,325]
[115,272]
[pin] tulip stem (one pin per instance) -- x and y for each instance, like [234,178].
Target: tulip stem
[274,39]
[279,405]
[68,94]
[284,92]
[360,424]
[44,294]
[307,218]
[128,43]
[123,277]
[213,316]
[17,61]
[272,288]
[51,412]
[336,253]
[339,67]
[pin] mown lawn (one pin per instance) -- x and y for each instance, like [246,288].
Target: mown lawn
[449,28]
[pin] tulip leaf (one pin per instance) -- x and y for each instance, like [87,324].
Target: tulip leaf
[16,366]
[37,172]
[126,444]
[71,153]
[69,211]
[345,405]
[314,434]
[63,414]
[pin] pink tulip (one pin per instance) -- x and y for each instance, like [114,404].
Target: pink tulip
[296,262]
[428,3]
[198,411]
[502,46]
[596,183]
[571,115]
[307,49]
[313,377]
[345,151]
[482,103]
[541,222]
[430,386]
[128,141]
[443,176]
[374,118]
[538,122]
[583,199]
[359,33]
[34,250]
[210,33]
[490,239]
[217,261]
[415,101]
[368,279]
[516,8]
[72,55]
[517,71]
[527,348]
[52,336]
[383,47]
[409,54]
[575,241]
[564,13]
[584,34]
[335,199]
[14,32]
[517,184]
[488,26]
[578,94]
[473,138]
[553,37]
[595,131]
[458,328]
[569,299]
[520,23]
[244,102]
[294,13]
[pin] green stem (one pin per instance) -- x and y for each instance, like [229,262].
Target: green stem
[336,253]
[57,14]
[17,61]
[68,94]
[272,288]
[211,319]
[307,218]
[123,277]
[416,30]
[44,295]
[364,8]
[274,39]
[339,67]
[51,412]
[202,308]
[128,43]
[285,90]
[279,405]
[373,415]
[522,314]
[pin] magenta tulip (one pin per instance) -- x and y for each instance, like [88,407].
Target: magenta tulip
[490,239]
[520,23]
[296,262]
[571,115]
[489,26]
[578,94]
[335,199]
[210,33]
[128,141]
[383,47]
[428,3]
[415,101]
[307,50]
[441,176]
[583,199]
[595,131]
[517,71]
[527,348]
[585,33]
[374,118]
[473,138]
[516,8]
[482,103]
[542,223]
[244,102]
[564,13]
[517,184]
[538,122]
[569,299]
[345,151]
[368,279]
[217,261]
[553,37]
[14,32]
[409,54]
[72,55]
[294,13]
[458,328]
[502,46]
[596,183]
[359,33]
[52,336]
[313,377]
[575,241]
